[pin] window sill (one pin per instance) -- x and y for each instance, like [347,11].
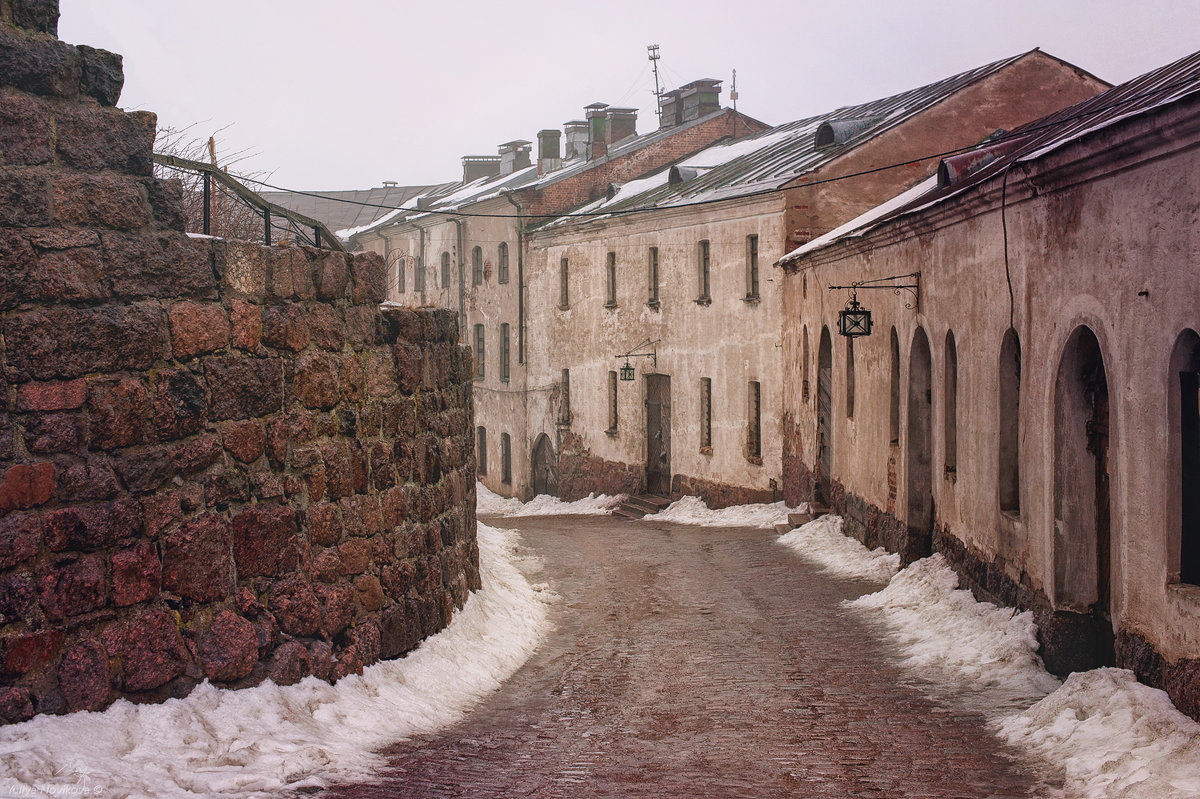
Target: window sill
[706,451]
[564,307]
[752,299]
[950,475]
[611,432]
[755,459]
[704,300]
[608,306]
[653,305]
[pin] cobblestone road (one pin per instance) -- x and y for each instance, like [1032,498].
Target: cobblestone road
[694,662]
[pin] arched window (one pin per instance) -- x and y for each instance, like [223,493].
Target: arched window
[610,283]
[1009,421]
[703,265]
[564,297]
[418,275]
[445,270]
[476,266]
[894,407]
[1183,396]
[502,263]
[653,277]
[804,377]
[849,378]
[505,458]
[950,423]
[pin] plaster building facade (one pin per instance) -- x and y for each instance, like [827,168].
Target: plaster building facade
[677,265]
[1034,416]
[464,247]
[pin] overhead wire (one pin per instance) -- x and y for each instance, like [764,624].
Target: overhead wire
[1008,136]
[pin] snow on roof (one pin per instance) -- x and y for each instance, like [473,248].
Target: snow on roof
[1142,95]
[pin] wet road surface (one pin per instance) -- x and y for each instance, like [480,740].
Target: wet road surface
[701,662]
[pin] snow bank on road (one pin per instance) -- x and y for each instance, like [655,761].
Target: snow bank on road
[268,738]
[692,510]
[492,504]
[1113,737]
[821,541]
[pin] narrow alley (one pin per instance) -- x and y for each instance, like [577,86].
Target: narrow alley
[701,662]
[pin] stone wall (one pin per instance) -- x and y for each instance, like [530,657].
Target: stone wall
[217,461]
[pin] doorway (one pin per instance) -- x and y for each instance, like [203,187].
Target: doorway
[545,467]
[658,435]
[824,417]
[919,462]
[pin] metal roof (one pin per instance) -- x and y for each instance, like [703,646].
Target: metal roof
[346,209]
[1031,141]
[769,160]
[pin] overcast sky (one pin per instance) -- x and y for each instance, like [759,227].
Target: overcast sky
[343,95]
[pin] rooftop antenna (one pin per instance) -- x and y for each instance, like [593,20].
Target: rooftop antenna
[654,56]
[733,98]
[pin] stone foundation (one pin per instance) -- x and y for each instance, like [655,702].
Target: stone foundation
[217,460]
[580,473]
[718,495]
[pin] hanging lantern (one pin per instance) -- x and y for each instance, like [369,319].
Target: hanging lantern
[854,321]
[627,370]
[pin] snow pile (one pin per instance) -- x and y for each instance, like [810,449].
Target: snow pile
[269,738]
[948,635]
[822,543]
[1115,737]
[493,504]
[692,510]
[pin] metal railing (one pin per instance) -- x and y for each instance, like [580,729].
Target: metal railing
[299,227]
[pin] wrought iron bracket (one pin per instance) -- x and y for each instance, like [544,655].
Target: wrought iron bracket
[627,370]
[892,282]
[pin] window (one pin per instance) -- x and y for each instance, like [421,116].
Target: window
[804,384]
[706,415]
[477,266]
[504,352]
[754,426]
[1010,417]
[400,274]
[951,404]
[564,404]
[653,270]
[612,403]
[610,271]
[703,264]
[418,275]
[445,270]
[752,267]
[480,451]
[502,263]
[479,352]
[849,378]
[564,299]
[1184,407]
[505,458]
[894,408]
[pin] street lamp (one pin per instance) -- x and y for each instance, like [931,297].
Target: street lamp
[854,320]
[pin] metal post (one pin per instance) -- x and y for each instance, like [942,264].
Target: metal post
[267,226]
[207,202]
[317,236]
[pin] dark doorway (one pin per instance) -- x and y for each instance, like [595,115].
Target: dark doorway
[1185,364]
[824,417]
[1083,551]
[545,468]
[919,464]
[658,435]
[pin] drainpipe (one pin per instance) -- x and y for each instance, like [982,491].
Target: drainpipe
[462,285]
[421,259]
[520,279]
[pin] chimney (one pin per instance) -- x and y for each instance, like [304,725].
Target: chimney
[669,109]
[577,139]
[597,130]
[622,123]
[514,155]
[700,98]
[549,155]
[480,166]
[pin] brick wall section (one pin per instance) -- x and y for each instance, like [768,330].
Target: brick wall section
[589,184]
[217,461]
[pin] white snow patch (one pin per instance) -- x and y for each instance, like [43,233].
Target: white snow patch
[821,542]
[692,510]
[269,738]
[1115,737]
[492,504]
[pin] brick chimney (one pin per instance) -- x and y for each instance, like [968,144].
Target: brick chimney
[622,123]
[597,130]
[514,155]
[549,155]
[700,98]
[577,139]
[480,166]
